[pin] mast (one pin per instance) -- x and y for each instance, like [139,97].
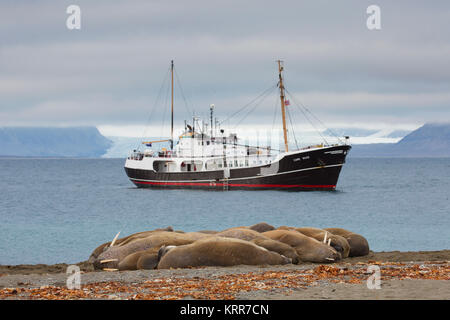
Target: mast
[171,129]
[283,112]
[211,109]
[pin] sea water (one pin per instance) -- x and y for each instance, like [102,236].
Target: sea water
[59,210]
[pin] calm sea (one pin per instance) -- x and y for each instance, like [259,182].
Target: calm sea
[59,210]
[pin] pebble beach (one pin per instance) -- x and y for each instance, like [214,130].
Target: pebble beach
[404,275]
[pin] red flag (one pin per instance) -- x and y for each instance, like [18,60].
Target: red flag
[286,102]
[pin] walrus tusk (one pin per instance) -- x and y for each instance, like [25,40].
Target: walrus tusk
[325,237]
[108,260]
[329,241]
[331,259]
[114,240]
[110,269]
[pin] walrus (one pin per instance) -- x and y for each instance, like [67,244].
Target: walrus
[262,241]
[144,259]
[97,251]
[278,247]
[219,251]
[285,228]
[308,249]
[208,231]
[337,242]
[148,261]
[261,227]
[197,235]
[359,246]
[242,233]
[141,235]
[114,255]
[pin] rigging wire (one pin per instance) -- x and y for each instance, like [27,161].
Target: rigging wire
[166,106]
[254,107]
[293,131]
[306,117]
[182,93]
[316,118]
[248,104]
[274,118]
[154,106]
[159,97]
[293,116]
[275,114]
[257,101]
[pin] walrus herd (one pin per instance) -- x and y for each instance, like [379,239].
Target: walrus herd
[260,244]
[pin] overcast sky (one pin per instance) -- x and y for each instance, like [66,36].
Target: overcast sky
[109,73]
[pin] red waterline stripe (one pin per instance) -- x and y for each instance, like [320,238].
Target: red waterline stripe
[236,184]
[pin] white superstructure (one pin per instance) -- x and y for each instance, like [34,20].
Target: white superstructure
[201,152]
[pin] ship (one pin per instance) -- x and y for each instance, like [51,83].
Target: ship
[206,159]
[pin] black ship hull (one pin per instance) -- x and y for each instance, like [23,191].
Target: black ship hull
[316,169]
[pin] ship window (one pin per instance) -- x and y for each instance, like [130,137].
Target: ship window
[235,163]
[246,162]
[164,166]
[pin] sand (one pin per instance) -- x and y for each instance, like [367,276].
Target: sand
[404,275]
